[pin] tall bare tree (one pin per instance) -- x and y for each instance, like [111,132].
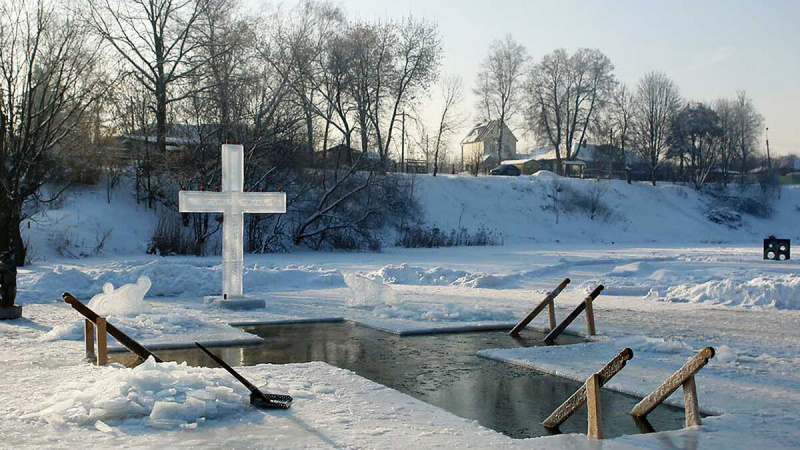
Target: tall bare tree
[48,83]
[155,38]
[452,90]
[656,103]
[498,85]
[748,125]
[565,95]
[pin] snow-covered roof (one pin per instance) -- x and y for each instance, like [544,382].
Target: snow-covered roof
[518,161]
[481,131]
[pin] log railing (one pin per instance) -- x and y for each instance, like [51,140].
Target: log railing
[547,302]
[684,377]
[589,393]
[586,304]
[103,327]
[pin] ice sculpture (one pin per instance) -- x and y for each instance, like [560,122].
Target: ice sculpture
[233,202]
[367,292]
[126,300]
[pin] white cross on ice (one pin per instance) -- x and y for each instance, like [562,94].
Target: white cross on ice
[233,203]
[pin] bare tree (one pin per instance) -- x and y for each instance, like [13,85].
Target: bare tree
[411,68]
[695,133]
[155,38]
[48,83]
[748,125]
[499,83]
[452,94]
[657,101]
[565,94]
[727,139]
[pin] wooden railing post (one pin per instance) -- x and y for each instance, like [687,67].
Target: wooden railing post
[576,400]
[547,302]
[590,317]
[595,427]
[683,377]
[551,337]
[129,343]
[102,342]
[88,336]
[690,402]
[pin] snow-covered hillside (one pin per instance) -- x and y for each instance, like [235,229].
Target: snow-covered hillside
[520,209]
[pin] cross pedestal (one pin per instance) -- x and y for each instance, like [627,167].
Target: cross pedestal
[233,203]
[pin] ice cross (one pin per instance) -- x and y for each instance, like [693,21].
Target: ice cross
[233,203]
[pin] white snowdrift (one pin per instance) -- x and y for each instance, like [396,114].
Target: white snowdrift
[439,276]
[374,295]
[165,395]
[765,291]
[170,278]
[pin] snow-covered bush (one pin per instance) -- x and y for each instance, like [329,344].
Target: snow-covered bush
[422,237]
[725,216]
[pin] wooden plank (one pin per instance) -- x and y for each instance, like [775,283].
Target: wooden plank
[690,402]
[590,318]
[547,302]
[672,383]
[551,337]
[576,400]
[102,343]
[129,343]
[595,428]
[88,336]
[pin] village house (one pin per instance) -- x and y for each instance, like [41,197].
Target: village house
[479,147]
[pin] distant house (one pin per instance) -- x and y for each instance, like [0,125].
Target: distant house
[178,136]
[480,145]
[597,161]
[343,156]
[526,166]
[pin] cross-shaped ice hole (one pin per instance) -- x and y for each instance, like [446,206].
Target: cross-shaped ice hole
[233,203]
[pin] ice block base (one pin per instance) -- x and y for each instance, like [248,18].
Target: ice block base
[238,302]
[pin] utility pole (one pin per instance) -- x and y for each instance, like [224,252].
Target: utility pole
[403,145]
[769,160]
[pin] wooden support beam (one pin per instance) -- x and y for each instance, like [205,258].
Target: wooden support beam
[129,343]
[551,337]
[595,428]
[551,315]
[590,318]
[576,400]
[690,402]
[547,302]
[672,383]
[102,343]
[88,336]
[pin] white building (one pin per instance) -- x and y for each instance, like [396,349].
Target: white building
[480,145]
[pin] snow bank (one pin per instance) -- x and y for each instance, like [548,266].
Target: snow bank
[439,276]
[165,395]
[170,278]
[764,291]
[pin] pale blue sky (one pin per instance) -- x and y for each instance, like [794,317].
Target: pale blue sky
[710,48]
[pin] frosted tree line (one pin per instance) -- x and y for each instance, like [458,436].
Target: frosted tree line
[568,100]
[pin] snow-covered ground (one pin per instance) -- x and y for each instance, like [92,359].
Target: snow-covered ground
[668,295]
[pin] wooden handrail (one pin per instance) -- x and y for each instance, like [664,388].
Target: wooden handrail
[574,315]
[129,343]
[576,400]
[548,302]
[683,377]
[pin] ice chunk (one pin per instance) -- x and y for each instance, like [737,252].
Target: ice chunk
[126,300]
[367,292]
